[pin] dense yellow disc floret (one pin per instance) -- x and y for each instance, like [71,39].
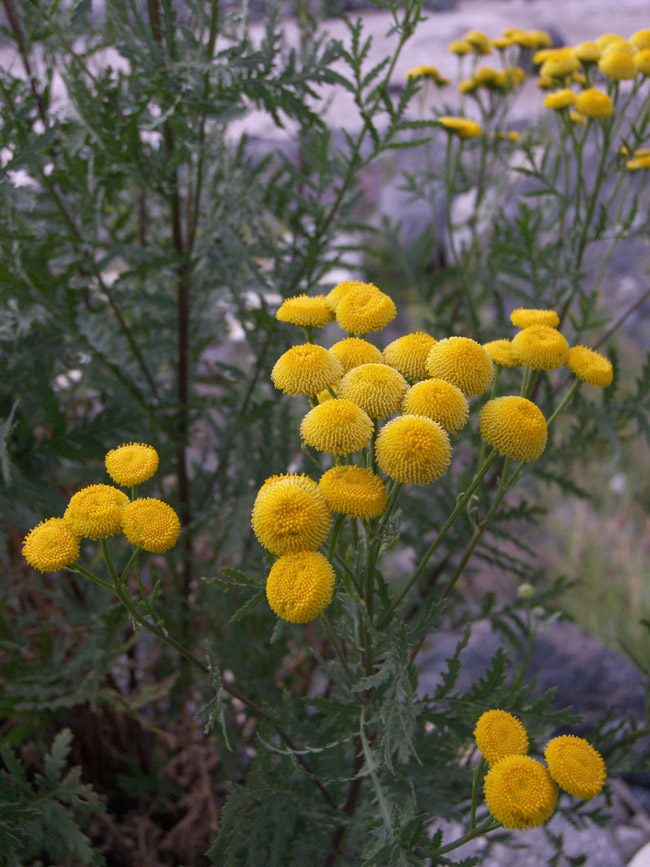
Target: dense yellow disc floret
[355,351]
[338,426]
[594,103]
[345,288]
[500,351]
[640,40]
[151,525]
[289,516]
[524,317]
[515,426]
[587,52]
[365,310]
[480,42]
[377,388]
[306,369]
[413,450]
[642,61]
[520,792]
[132,464]
[408,354]
[440,401]
[560,99]
[618,65]
[51,545]
[499,734]
[354,491]
[300,586]
[540,347]
[461,126]
[590,366]
[576,766]
[96,512]
[300,479]
[502,42]
[306,310]
[463,362]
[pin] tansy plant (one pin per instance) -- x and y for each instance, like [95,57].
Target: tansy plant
[380,420]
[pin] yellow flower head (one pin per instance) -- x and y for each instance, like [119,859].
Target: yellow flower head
[132,464]
[365,310]
[353,491]
[540,56]
[587,52]
[541,39]
[575,766]
[440,401]
[560,62]
[345,288]
[413,449]
[377,388]
[608,39]
[463,362]
[524,317]
[51,545]
[520,793]
[502,42]
[499,734]
[515,426]
[594,103]
[300,479]
[408,354]
[289,516]
[500,351]
[618,65]
[590,366]
[427,72]
[512,77]
[306,310]
[469,85]
[306,369]
[560,99]
[300,586]
[642,61]
[459,48]
[574,117]
[488,77]
[638,163]
[354,351]
[461,126]
[540,347]
[479,41]
[151,525]
[96,512]
[640,40]
[337,426]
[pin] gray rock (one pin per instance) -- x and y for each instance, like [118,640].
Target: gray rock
[588,676]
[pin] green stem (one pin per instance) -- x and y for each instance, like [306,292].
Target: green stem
[109,562]
[340,518]
[460,506]
[77,567]
[563,403]
[338,650]
[488,825]
[475,789]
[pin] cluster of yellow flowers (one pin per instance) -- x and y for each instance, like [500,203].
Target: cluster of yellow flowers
[100,511]
[425,383]
[520,791]
[610,59]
